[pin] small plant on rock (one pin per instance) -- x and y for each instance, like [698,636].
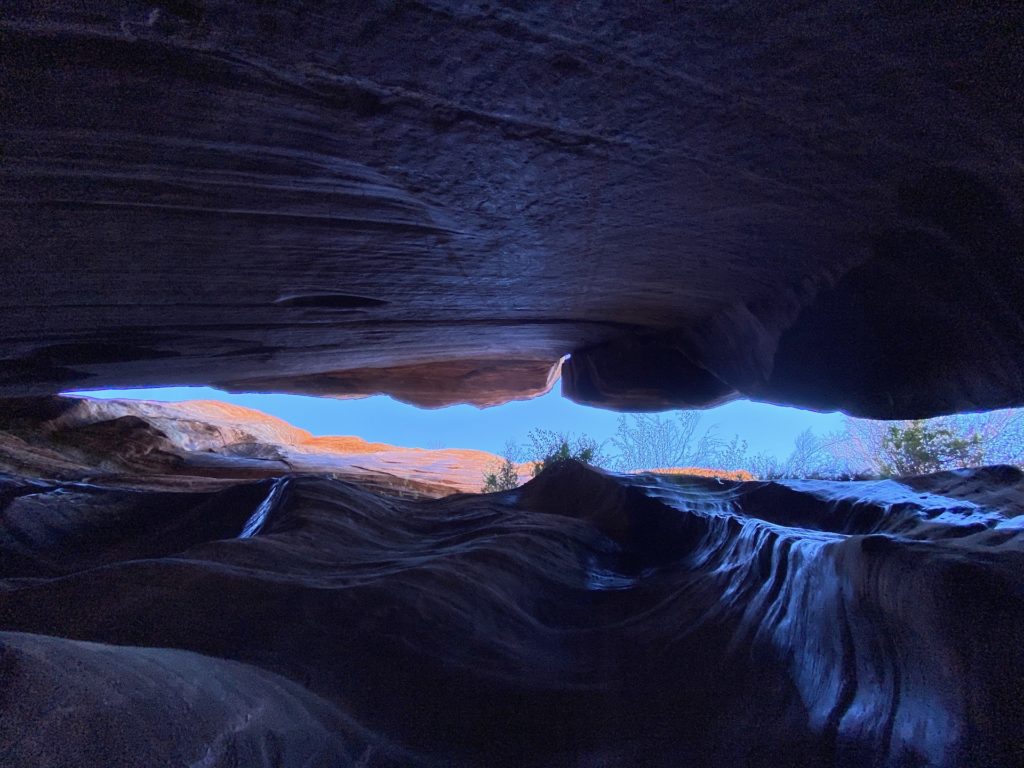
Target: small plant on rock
[549,447]
[504,478]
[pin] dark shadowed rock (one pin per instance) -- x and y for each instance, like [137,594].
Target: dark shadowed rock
[583,619]
[87,704]
[813,205]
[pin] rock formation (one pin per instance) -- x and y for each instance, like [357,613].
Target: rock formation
[665,204]
[207,444]
[440,200]
[582,619]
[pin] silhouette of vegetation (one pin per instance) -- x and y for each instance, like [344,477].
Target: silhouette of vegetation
[919,448]
[811,457]
[548,447]
[505,478]
[545,448]
[887,449]
[648,441]
[861,449]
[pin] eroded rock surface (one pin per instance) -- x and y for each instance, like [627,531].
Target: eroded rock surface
[583,619]
[813,204]
[201,445]
[818,205]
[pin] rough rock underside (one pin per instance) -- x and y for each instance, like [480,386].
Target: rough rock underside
[665,204]
[818,204]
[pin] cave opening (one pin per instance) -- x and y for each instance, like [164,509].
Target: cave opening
[676,212]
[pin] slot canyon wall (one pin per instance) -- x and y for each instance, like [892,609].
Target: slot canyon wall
[818,205]
[583,619]
[663,205]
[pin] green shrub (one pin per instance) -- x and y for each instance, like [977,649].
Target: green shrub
[549,447]
[918,448]
[505,478]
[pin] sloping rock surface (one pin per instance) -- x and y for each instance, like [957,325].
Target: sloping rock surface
[813,204]
[583,619]
[202,444]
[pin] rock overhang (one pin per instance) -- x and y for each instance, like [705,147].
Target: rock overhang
[441,200]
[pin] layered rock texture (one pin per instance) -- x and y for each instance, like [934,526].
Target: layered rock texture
[201,584]
[818,205]
[203,445]
[665,204]
[583,619]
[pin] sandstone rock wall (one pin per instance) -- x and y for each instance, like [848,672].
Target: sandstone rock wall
[582,619]
[207,444]
[439,200]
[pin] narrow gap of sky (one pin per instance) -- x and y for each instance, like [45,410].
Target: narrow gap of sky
[766,428]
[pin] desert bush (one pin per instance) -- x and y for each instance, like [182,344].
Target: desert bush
[544,448]
[862,449]
[548,447]
[504,478]
[643,441]
[812,457]
[918,446]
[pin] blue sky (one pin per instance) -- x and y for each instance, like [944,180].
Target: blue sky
[769,428]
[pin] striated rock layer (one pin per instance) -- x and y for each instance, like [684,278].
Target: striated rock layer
[206,444]
[812,204]
[583,619]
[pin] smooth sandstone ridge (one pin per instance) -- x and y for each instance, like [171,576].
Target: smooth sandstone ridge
[818,205]
[583,619]
[209,444]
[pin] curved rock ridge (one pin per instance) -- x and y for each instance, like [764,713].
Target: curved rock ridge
[202,444]
[441,199]
[582,619]
[181,708]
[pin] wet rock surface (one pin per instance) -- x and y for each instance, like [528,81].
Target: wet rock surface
[812,205]
[583,619]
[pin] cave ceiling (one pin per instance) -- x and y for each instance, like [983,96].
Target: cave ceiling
[817,205]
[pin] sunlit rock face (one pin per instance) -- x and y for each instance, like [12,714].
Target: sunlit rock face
[583,619]
[201,445]
[813,205]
